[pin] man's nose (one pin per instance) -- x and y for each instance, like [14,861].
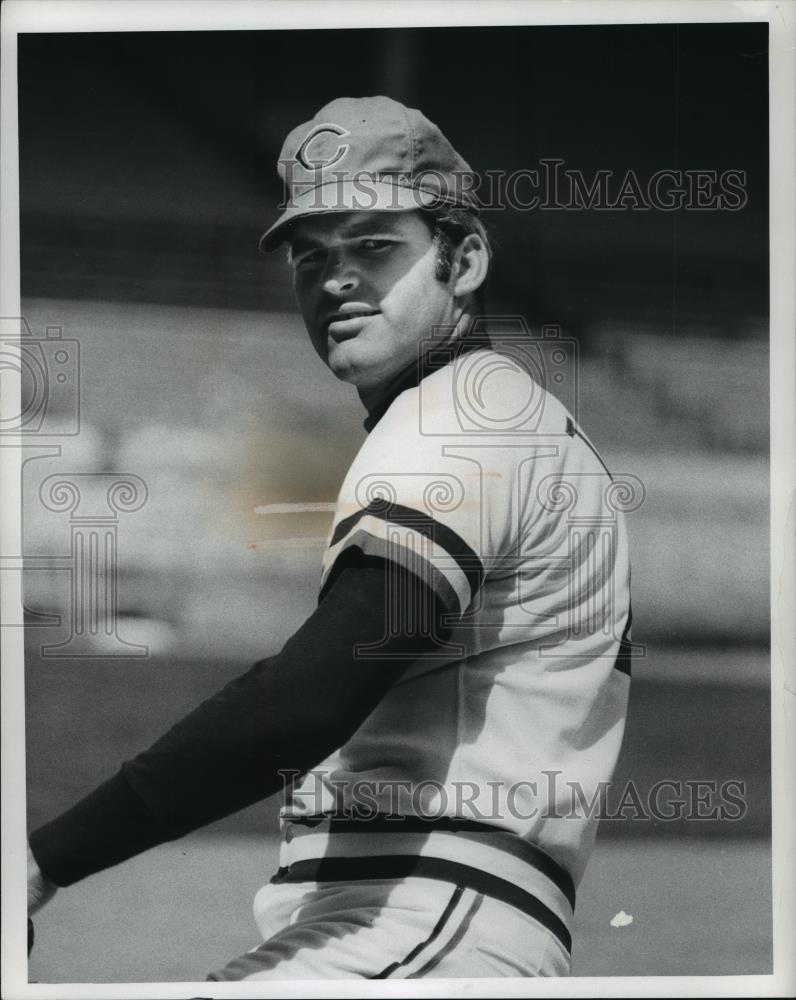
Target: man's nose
[341,277]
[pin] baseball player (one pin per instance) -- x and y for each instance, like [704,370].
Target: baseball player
[466,668]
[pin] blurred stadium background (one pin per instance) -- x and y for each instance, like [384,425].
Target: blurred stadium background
[147,175]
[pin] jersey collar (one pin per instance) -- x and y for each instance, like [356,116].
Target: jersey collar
[411,376]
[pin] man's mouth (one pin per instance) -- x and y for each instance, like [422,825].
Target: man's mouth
[348,321]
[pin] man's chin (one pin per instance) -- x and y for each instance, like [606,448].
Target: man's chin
[352,365]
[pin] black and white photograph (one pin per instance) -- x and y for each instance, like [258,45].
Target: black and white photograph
[397,435]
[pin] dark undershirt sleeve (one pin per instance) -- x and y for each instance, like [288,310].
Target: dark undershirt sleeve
[286,714]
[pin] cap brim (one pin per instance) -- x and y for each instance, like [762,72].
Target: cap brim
[348,196]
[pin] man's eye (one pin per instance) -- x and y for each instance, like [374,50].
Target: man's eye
[308,259]
[375,246]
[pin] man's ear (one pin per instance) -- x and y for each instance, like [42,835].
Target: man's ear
[470,265]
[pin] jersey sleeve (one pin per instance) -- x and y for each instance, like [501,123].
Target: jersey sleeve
[432,503]
[238,746]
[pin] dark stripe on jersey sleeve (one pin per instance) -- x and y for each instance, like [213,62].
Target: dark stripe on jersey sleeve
[440,534]
[625,655]
[361,545]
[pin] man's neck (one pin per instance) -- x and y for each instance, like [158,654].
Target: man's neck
[378,399]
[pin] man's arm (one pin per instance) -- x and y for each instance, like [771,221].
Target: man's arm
[40,888]
[288,712]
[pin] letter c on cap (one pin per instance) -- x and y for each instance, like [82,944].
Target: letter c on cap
[303,151]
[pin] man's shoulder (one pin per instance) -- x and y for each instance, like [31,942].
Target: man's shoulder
[485,393]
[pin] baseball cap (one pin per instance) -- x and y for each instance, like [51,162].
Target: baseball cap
[368,154]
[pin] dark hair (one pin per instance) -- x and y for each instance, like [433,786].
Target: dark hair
[450,225]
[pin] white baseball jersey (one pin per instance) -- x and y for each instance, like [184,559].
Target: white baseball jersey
[482,483]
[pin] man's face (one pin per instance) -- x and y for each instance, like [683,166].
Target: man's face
[366,288]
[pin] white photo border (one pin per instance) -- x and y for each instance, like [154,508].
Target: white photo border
[20,16]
